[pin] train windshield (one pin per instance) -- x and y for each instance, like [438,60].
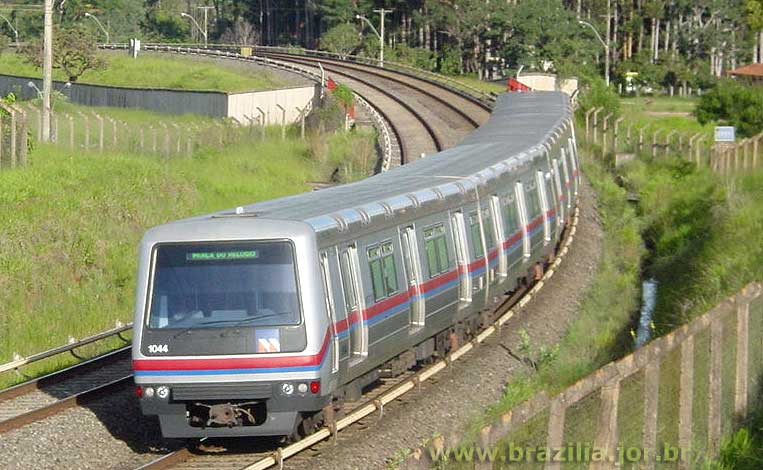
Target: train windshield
[221,285]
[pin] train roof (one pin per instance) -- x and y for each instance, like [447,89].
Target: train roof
[518,127]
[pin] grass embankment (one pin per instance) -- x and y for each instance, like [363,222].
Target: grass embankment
[663,112]
[71,223]
[155,70]
[482,85]
[605,311]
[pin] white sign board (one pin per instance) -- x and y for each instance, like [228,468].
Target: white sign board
[725,134]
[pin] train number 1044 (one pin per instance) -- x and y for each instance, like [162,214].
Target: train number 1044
[158,348]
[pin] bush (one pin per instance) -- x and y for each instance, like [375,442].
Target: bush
[735,104]
[596,93]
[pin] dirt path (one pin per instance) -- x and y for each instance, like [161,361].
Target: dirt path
[451,400]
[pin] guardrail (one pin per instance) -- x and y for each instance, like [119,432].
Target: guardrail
[73,344]
[380,123]
[487,99]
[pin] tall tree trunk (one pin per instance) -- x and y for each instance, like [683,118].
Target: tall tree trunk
[657,41]
[653,37]
[616,55]
[667,36]
[578,10]
[760,47]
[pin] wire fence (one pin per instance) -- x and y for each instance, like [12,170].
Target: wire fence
[623,139]
[667,405]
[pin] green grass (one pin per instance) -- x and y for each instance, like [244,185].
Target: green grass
[482,85]
[72,222]
[155,70]
[648,110]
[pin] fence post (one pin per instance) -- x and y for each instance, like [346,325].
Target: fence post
[22,157]
[154,138]
[283,121]
[178,148]
[641,138]
[616,135]
[651,400]
[114,137]
[606,437]
[667,141]
[755,147]
[604,133]
[263,120]
[587,123]
[596,124]
[716,375]
[555,433]
[654,142]
[743,344]
[686,401]
[87,129]
[70,118]
[100,131]
[14,122]
[302,117]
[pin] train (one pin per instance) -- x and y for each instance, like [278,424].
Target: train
[263,319]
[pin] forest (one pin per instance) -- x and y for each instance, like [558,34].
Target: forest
[680,42]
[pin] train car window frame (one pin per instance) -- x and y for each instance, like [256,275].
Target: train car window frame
[383,270]
[436,249]
[532,200]
[489,225]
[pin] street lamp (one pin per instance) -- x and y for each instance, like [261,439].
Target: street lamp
[15,31]
[34,86]
[202,31]
[606,49]
[88,15]
[380,35]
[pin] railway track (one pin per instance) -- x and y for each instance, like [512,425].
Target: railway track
[77,385]
[261,454]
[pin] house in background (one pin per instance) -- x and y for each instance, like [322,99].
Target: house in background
[752,74]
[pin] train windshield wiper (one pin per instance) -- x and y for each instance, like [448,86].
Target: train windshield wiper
[233,323]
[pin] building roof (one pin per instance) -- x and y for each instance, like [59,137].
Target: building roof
[752,70]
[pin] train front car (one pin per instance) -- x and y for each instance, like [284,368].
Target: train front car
[231,336]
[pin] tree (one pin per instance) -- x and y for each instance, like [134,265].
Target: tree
[75,52]
[342,39]
[240,32]
[734,103]
[755,20]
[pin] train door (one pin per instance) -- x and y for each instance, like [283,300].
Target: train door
[567,180]
[498,225]
[519,193]
[353,298]
[559,198]
[330,310]
[574,161]
[540,180]
[462,256]
[412,263]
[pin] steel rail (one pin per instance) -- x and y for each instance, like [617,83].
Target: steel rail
[364,68]
[78,399]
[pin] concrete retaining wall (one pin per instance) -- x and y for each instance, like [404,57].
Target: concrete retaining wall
[207,103]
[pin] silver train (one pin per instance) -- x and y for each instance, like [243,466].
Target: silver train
[253,321]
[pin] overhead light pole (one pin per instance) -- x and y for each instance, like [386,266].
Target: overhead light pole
[88,15]
[15,31]
[47,68]
[206,24]
[379,33]
[606,48]
[193,20]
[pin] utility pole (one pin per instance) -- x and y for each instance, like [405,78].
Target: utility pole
[206,31]
[382,12]
[47,68]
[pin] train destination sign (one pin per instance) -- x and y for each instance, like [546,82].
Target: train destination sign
[221,255]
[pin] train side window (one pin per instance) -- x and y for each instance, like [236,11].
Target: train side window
[381,260]
[532,199]
[487,221]
[474,229]
[511,216]
[436,250]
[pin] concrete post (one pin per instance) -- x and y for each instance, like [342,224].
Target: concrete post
[14,122]
[716,376]
[607,435]
[743,348]
[71,131]
[555,432]
[596,124]
[616,134]
[263,120]
[587,123]
[283,121]
[651,400]
[99,118]
[686,400]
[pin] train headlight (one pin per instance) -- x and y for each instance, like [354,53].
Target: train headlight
[148,392]
[163,392]
[287,388]
[302,388]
